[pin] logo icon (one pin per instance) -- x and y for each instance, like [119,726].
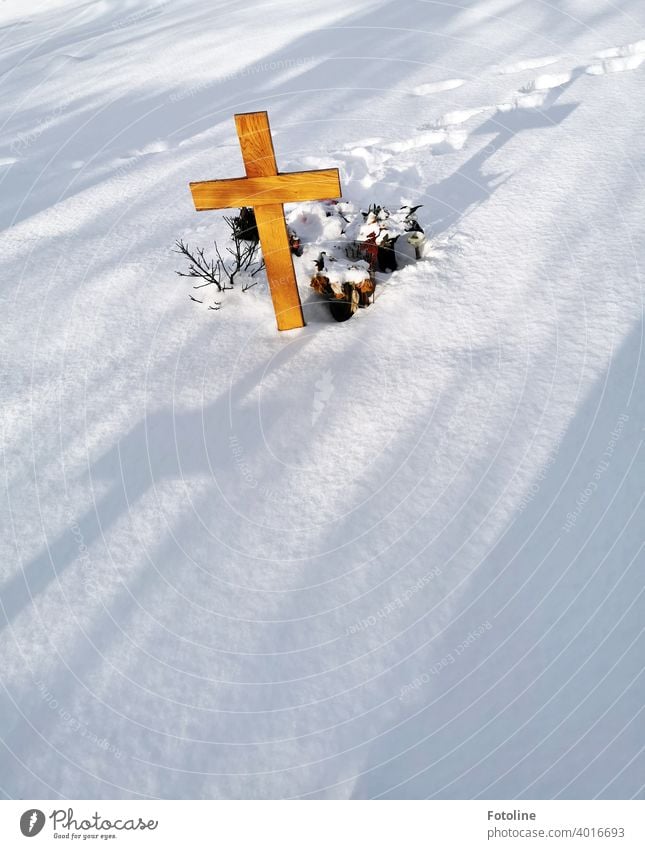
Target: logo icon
[32,822]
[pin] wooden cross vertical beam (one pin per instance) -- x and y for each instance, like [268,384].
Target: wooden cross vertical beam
[266,190]
[259,161]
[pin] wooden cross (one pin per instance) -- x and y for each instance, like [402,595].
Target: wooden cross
[266,190]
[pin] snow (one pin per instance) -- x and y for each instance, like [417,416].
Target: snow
[400,556]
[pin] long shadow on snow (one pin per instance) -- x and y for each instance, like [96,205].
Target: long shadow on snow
[138,121]
[149,454]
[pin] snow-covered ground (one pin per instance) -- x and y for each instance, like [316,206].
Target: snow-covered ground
[396,557]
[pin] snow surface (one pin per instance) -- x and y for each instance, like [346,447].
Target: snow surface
[400,556]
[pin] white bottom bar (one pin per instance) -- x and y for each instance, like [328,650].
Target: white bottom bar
[324,825]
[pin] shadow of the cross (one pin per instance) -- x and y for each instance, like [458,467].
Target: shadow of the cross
[470,186]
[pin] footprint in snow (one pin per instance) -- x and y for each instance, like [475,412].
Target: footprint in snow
[460,116]
[617,59]
[634,49]
[442,136]
[545,82]
[534,94]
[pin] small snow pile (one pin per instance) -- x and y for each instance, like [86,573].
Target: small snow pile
[316,222]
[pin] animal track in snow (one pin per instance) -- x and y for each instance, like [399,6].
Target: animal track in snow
[617,59]
[529,65]
[435,88]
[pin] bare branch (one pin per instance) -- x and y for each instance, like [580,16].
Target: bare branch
[199,266]
[242,256]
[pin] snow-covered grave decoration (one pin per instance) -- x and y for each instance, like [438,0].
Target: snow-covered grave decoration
[343,248]
[338,249]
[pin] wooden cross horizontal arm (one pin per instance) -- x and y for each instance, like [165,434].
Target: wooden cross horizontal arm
[294,187]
